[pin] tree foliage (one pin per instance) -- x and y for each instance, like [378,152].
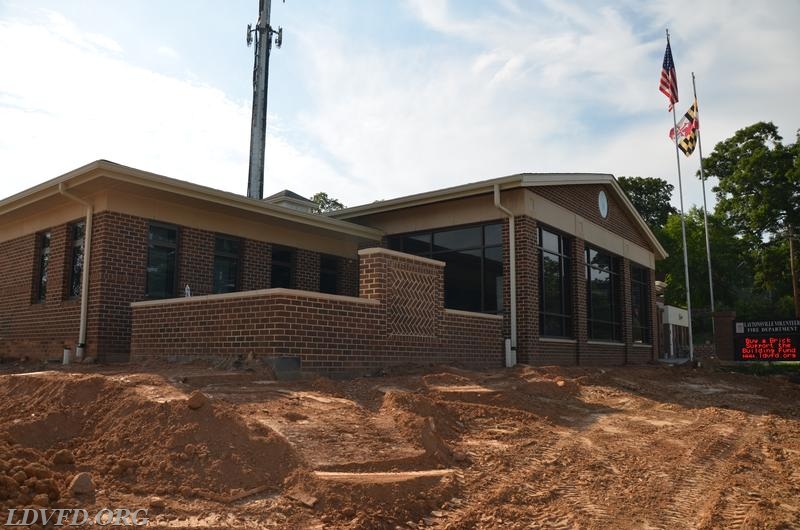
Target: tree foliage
[759,196]
[325,203]
[650,196]
[759,180]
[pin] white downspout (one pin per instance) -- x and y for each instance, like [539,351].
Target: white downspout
[511,353]
[87,251]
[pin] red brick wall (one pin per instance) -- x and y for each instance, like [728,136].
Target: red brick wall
[119,262]
[196,256]
[329,333]
[723,335]
[307,270]
[347,278]
[583,201]
[117,278]
[256,265]
[36,329]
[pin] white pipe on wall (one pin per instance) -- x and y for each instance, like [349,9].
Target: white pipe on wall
[511,359]
[87,251]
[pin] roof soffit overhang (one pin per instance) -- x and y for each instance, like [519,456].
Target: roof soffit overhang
[522,180]
[87,179]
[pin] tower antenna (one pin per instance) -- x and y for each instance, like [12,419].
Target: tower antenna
[262,34]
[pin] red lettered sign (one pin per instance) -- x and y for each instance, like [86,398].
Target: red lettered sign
[767,340]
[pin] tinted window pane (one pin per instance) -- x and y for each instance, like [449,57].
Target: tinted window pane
[163,234]
[553,283]
[462,279]
[394,243]
[601,330]
[76,270]
[493,279]
[596,259]
[419,244]
[550,241]
[553,326]
[44,262]
[601,295]
[227,245]
[282,255]
[281,276]
[493,234]
[460,238]
[328,268]
[161,272]
[226,274]
[161,262]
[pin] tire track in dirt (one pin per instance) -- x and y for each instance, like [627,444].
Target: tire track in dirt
[697,493]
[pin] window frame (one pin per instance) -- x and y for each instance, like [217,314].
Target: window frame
[236,257]
[42,265]
[291,265]
[396,242]
[614,298]
[162,244]
[565,267]
[327,272]
[75,272]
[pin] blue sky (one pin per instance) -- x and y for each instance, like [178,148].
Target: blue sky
[376,99]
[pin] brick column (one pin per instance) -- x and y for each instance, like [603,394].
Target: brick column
[655,331]
[723,334]
[372,274]
[627,316]
[256,265]
[579,310]
[196,255]
[307,270]
[527,288]
[347,277]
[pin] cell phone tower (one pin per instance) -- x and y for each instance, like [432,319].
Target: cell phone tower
[262,34]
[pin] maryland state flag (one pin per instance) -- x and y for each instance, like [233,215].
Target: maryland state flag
[687,130]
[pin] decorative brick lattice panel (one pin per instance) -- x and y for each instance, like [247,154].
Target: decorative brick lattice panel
[412,306]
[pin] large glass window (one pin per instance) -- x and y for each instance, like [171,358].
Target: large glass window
[473,275]
[43,258]
[640,304]
[602,298]
[328,272]
[226,264]
[283,273]
[555,306]
[162,260]
[77,233]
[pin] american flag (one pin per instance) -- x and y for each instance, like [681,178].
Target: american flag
[669,81]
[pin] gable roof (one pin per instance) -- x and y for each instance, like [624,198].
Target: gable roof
[521,180]
[287,194]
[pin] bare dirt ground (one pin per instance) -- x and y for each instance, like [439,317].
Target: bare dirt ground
[652,447]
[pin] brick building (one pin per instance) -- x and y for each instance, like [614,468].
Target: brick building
[539,267]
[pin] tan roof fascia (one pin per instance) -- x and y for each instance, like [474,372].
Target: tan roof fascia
[104,168]
[512,181]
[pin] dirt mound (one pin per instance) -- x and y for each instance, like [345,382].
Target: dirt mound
[131,442]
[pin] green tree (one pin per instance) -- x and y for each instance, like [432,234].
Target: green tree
[732,267]
[759,189]
[325,203]
[651,198]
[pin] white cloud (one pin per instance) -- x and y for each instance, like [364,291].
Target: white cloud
[169,53]
[67,100]
[511,87]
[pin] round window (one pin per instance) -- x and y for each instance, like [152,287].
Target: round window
[602,204]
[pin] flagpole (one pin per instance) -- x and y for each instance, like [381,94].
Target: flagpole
[683,231]
[705,209]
